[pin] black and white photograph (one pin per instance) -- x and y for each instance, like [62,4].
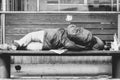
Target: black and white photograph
[59,39]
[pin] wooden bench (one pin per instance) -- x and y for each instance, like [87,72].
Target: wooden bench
[5,59]
[17,25]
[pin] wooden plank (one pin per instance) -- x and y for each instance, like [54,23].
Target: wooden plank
[28,30]
[106,37]
[61,59]
[40,78]
[54,21]
[51,53]
[17,59]
[59,12]
[63,69]
[54,25]
[77,16]
[26,59]
[57,18]
[104,32]
[63,78]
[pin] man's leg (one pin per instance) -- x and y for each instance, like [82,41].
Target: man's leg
[31,37]
[37,36]
[34,46]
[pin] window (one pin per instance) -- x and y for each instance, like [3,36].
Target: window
[21,5]
[0,5]
[102,5]
[62,5]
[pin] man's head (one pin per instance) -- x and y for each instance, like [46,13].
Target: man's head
[79,35]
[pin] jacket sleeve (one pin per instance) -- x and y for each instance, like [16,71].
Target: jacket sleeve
[99,45]
[70,45]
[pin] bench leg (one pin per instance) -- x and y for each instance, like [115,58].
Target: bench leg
[4,66]
[116,66]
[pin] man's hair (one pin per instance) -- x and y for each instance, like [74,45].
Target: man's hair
[71,25]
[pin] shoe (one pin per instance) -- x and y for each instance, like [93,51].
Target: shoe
[4,46]
[7,47]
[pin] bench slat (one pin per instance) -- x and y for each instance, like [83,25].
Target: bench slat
[67,53]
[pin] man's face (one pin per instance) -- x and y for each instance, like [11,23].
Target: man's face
[72,30]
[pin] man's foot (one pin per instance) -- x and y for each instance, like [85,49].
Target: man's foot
[7,47]
[3,46]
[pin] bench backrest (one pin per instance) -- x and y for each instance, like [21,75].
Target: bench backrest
[102,25]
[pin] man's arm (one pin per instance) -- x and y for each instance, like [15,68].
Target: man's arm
[70,45]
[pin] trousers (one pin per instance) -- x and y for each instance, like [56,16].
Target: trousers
[32,41]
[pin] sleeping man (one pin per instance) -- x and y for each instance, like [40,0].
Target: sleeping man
[71,38]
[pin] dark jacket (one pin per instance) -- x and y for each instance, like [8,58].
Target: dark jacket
[59,38]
